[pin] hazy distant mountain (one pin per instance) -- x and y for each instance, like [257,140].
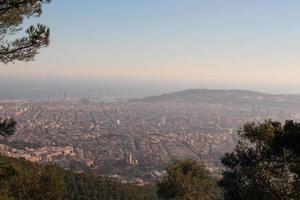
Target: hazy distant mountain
[235,97]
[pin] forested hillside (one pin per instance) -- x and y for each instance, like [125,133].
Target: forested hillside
[23,180]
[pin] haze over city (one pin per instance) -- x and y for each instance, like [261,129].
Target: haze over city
[149,100]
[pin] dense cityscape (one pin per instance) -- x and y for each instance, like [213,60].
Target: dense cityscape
[149,100]
[131,140]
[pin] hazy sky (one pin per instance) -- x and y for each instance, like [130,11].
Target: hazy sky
[211,43]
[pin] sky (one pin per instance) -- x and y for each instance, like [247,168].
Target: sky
[234,44]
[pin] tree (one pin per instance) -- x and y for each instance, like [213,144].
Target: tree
[12,15]
[265,164]
[186,180]
[33,181]
[7,127]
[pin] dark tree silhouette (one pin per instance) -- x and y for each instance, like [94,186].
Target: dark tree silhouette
[265,164]
[12,15]
[187,180]
[7,127]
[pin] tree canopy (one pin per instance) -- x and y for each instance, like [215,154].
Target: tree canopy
[265,164]
[24,180]
[187,180]
[15,46]
[7,127]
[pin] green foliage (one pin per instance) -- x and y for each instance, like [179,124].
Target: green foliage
[12,15]
[7,127]
[187,180]
[265,164]
[23,180]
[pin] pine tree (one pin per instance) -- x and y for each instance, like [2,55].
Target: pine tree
[14,47]
[7,127]
[265,164]
[187,180]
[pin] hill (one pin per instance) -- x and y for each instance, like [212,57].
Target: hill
[235,97]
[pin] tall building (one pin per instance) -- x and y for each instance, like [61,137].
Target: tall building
[118,116]
[210,149]
[132,161]
[66,95]
[163,121]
